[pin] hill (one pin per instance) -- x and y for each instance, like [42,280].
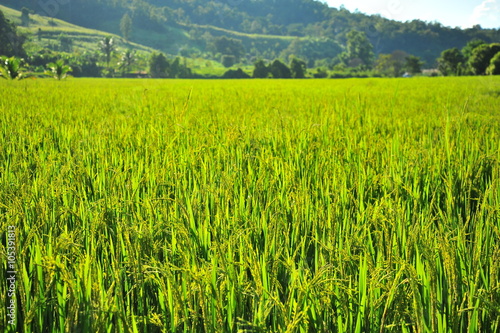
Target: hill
[47,35]
[267,28]
[49,30]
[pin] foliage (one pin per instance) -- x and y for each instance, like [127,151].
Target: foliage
[256,206]
[229,46]
[58,70]
[413,64]
[236,74]
[107,47]
[179,70]
[25,16]
[126,26]
[279,70]
[384,65]
[471,46]
[298,68]
[11,42]
[126,61]
[359,50]
[313,49]
[494,67]
[451,62]
[158,65]
[320,73]
[228,60]
[11,68]
[65,43]
[393,64]
[84,65]
[261,70]
[481,57]
[262,23]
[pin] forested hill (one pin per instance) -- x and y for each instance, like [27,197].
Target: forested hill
[172,25]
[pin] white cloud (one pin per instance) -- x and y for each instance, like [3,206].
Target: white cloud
[487,14]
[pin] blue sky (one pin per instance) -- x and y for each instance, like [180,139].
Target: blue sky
[453,13]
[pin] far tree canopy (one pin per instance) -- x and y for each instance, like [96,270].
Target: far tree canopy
[11,42]
[229,46]
[359,49]
[481,57]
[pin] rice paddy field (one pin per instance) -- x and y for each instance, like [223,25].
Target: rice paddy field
[250,206]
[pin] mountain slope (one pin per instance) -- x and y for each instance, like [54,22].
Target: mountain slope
[266,27]
[49,31]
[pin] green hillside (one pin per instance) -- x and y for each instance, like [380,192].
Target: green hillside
[50,29]
[44,36]
[265,27]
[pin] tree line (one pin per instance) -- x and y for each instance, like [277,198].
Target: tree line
[357,59]
[476,58]
[312,22]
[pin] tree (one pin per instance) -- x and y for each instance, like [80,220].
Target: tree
[89,65]
[413,64]
[450,62]
[11,43]
[359,49]
[298,68]
[58,70]
[279,70]
[126,26]
[126,61]
[11,68]
[399,58]
[392,64]
[236,74]
[384,65]
[229,46]
[25,16]
[312,49]
[158,65]
[494,67]
[481,57]
[471,46]
[261,71]
[107,47]
[228,60]
[179,70]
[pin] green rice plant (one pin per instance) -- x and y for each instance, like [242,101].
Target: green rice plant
[252,206]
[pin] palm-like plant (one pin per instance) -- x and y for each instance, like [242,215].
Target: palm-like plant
[11,68]
[107,47]
[58,69]
[127,59]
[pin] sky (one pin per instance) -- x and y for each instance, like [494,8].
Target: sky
[452,13]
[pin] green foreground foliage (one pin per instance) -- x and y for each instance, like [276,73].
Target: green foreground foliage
[255,206]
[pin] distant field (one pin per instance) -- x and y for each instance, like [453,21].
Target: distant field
[251,206]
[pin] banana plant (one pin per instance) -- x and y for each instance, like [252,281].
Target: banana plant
[11,68]
[58,70]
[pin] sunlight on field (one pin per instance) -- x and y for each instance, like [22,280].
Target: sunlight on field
[252,206]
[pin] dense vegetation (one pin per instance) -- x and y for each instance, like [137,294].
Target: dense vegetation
[11,42]
[111,59]
[270,205]
[266,28]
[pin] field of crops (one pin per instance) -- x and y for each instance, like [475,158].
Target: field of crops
[251,206]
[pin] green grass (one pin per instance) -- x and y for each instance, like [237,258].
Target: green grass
[252,206]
